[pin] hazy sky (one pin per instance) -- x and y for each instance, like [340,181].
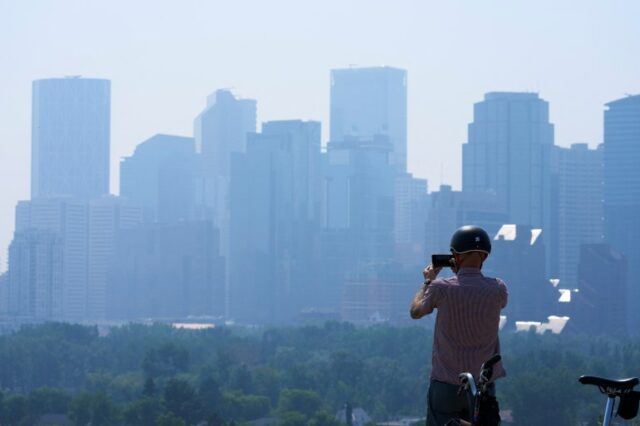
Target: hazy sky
[165,57]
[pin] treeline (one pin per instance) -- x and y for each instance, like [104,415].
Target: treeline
[157,375]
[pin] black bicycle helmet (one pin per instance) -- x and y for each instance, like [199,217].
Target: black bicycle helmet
[470,238]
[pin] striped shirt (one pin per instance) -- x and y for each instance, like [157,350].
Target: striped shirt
[466,330]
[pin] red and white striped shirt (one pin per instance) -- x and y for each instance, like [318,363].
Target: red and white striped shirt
[466,330]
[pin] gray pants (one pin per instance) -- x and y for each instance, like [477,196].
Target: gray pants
[444,403]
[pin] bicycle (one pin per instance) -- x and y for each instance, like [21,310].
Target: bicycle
[483,406]
[623,389]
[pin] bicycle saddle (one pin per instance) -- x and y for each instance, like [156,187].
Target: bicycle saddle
[610,386]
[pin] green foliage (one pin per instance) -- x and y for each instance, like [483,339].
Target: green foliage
[244,407]
[292,418]
[142,412]
[181,399]
[96,409]
[16,409]
[47,400]
[210,395]
[149,389]
[324,418]
[302,401]
[170,419]
[165,361]
[139,374]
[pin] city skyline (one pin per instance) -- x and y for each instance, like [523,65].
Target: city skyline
[152,95]
[282,226]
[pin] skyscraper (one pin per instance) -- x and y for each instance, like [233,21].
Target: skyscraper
[410,218]
[600,307]
[86,230]
[160,176]
[358,217]
[220,130]
[578,209]
[35,275]
[107,216]
[508,153]
[165,270]
[275,199]
[367,102]
[70,137]
[449,210]
[622,190]
[518,257]
[261,235]
[306,151]
[68,219]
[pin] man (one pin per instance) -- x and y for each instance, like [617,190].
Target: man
[466,329]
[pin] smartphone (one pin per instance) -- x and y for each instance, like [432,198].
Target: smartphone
[442,260]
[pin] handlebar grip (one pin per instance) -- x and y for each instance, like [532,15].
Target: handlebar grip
[491,361]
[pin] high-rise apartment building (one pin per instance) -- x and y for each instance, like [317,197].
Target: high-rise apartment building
[261,232]
[70,137]
[578,209]
[358,216]
[304,137]
[369,102]
[168,271]
[160,176]
[35,277]
[410,201]
[4,294]
[87,230]
[518,257]
[448,210]
[508,153]
[622,190]
[600,305]
[68,219]
[221,130]
[106,217]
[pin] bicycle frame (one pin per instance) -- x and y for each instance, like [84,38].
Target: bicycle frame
[608,411]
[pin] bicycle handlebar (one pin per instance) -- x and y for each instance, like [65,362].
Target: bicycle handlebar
[491,361]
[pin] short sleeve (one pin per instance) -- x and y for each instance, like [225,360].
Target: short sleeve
[431,298]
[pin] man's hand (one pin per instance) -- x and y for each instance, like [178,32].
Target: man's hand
[430,273]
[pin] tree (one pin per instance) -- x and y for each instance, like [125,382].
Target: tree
[165,361]
[210,395]
[170,419]
[244,407]
[241,379]
[303,401]
[149,389]
[323,418]
[181,399]
[96,409]
[142,412]
[16,409]
[47,400]
[292,418]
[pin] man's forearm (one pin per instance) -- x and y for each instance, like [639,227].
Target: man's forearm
[416,303]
